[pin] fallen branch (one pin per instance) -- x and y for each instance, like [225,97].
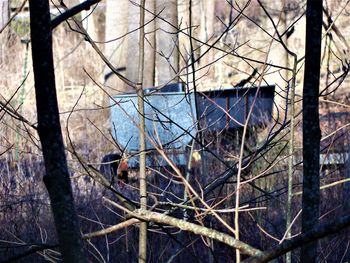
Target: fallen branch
[149,216]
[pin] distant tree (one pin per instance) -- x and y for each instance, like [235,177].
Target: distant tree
[167,57]
[88,21]
[56,179]
[4,17]
[132,68]
[207,33]
[150,44]
[116,26]
[4,12]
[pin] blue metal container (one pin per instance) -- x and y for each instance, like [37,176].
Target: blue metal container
[170,120]
[215,104]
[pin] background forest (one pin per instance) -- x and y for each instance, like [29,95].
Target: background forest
[256,187]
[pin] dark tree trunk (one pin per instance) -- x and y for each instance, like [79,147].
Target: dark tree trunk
[56,179]
[311,126]
[346,187]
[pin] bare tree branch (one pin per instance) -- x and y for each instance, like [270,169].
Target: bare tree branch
[72,12]
[111,229]
[31,250]
[315,233]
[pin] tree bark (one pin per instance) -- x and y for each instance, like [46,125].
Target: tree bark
[56,179]
[311,126]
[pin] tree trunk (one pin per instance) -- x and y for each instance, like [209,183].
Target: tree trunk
[56,179]
[4,17]
[116,26]
[346,187]
[142,138]
[133,54]
[149,45]
[115,51]
[167,57]
[311,126]
[88,22]
[4,12]
[207,32]
[132,70]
